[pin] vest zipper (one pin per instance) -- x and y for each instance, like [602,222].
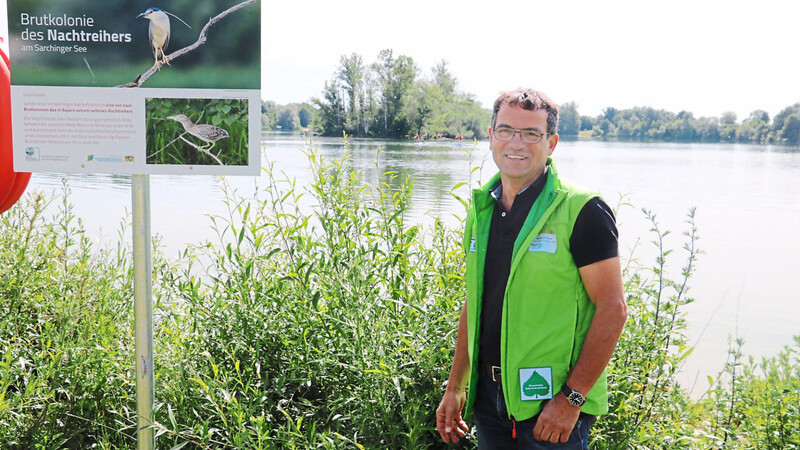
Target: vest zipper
[513,428]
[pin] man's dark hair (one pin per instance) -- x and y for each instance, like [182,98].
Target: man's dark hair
[530,100]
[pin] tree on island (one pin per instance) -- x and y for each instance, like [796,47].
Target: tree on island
[389,99]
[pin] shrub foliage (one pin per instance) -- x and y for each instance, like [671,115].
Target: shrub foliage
[319,318]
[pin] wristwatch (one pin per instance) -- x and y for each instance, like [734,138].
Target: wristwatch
[574,397]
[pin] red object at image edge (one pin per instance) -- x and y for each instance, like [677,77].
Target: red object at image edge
[12,184]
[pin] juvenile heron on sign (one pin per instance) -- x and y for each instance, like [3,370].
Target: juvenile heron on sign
[159,33]
[209,134]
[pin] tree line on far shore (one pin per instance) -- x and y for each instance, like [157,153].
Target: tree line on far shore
[390,99]
[645,123]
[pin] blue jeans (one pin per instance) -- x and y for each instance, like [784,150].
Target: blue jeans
[494,428]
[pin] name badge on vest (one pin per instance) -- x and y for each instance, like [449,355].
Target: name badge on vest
[545,242]
[536,383]
[472,245]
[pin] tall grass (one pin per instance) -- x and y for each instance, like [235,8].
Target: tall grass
[329,326]
[65,373]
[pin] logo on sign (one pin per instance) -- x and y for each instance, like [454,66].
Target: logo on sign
[31,153]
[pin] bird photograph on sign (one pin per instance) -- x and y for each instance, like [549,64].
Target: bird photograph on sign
[158,33]
[202,44]
[192,131]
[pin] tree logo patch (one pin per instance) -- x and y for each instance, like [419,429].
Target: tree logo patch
[536,383]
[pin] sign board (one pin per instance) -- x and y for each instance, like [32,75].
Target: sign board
[89,94]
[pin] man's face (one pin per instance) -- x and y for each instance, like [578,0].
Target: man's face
[519,162]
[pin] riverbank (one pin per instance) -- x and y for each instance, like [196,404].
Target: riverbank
[754,302]
[327,326]
[586,136]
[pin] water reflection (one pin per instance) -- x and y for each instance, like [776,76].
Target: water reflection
[433,167]
[83,181]
[782,149]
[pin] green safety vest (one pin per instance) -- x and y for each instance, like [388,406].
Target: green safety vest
[546,310]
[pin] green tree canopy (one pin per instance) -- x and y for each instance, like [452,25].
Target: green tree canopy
[569,121]
[288,119]
[388,98]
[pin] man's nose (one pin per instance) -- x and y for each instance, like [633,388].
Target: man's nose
[516,140]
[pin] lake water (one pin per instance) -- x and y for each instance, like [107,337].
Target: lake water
[747,199]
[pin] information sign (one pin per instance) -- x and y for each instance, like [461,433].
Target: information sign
[110,87]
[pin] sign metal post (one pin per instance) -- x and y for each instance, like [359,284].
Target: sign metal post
[143,309]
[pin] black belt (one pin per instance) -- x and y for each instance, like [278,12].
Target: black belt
[493,372]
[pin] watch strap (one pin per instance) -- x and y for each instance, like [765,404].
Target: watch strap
[568,392]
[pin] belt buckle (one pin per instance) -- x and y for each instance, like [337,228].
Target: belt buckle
[496,372]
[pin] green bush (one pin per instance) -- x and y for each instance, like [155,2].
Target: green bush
[320,318]
[756,404]
[332,328]
[647,408]
[66,370]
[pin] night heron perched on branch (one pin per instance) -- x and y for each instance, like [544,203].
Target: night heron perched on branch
[209,134]
[158,32]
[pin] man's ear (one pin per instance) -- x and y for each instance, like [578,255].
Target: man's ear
[552,142]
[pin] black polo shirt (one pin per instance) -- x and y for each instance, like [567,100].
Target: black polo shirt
[593,239]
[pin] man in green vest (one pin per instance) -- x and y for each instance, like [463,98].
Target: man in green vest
[545,304]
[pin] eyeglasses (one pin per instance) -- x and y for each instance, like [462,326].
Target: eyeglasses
[506,134]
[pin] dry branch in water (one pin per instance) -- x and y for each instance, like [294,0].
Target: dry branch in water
[141,78]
